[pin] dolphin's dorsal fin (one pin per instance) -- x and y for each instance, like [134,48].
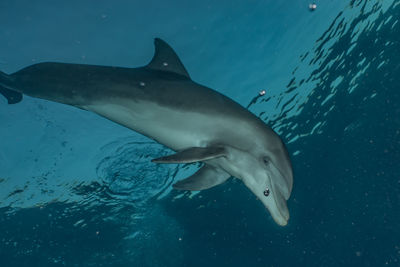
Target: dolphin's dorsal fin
[165,59]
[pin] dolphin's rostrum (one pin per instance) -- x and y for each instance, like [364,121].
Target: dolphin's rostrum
[160,101]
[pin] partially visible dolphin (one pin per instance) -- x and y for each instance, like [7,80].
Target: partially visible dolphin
[161,102]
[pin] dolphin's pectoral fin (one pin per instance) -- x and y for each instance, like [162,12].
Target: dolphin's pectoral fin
[193,154]
[204,178]
[165,59]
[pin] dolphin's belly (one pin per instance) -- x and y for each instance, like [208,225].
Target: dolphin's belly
[174,128]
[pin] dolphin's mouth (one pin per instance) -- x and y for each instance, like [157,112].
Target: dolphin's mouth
[278,217]
[280,212]
[284,218]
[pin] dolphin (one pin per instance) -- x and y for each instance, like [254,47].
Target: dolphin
[161,101]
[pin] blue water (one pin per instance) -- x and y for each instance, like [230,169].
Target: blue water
[78,190]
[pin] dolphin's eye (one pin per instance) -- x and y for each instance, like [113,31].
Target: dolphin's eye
[266,161]
[266,192]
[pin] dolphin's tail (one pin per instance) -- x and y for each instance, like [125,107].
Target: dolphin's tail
[12,96]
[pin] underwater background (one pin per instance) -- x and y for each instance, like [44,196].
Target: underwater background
[79,190]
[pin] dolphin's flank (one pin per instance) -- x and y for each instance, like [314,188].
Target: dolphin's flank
[161,102]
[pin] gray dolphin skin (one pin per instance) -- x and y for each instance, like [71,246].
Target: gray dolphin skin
[161,102]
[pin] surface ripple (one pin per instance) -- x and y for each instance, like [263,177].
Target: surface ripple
[128,173]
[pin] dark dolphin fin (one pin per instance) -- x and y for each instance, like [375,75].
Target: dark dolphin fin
[165,59]
[204,178]
[12,96]
[193,154]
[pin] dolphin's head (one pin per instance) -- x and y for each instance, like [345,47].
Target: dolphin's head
[272,180]
[267,172]
[272,183]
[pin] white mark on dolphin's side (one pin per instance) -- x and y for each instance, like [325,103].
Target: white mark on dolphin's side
[142,84]
[165,64]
